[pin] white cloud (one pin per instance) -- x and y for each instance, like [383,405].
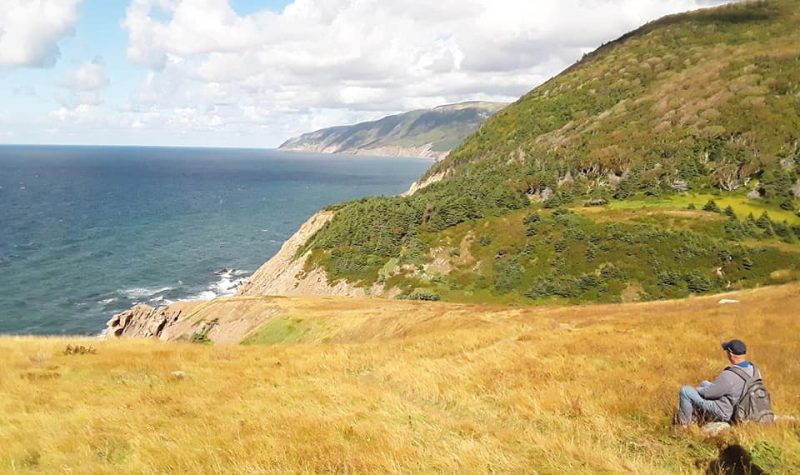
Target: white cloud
[79,113]
[323,62]
[31,29]
[90,76]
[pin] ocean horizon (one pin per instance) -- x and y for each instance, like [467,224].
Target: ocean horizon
[88,231]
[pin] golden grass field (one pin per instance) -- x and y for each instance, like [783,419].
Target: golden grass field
[374,386]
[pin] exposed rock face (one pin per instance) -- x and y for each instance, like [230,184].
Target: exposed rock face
[286,275]
[418,185]
[143,321]
[224,321]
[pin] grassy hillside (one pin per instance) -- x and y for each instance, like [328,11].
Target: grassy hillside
[709,98]
[366,386]
[441,128]
[700,104]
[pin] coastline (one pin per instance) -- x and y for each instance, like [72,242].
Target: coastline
[284,274]
[111,227]
[382,153]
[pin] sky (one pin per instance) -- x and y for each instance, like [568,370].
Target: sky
[252,73]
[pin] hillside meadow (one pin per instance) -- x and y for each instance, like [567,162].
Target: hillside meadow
[374,386]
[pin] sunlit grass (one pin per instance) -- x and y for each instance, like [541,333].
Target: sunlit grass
[403,387]
[740,204]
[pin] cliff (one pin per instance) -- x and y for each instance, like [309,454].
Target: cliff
[222,321]
[229,320]
[429,133]
[286,273]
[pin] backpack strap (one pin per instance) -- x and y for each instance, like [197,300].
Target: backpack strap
[738,371]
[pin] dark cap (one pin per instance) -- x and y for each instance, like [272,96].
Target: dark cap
[735,347]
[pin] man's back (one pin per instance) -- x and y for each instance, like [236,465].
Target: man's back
[720,400]
[727,388]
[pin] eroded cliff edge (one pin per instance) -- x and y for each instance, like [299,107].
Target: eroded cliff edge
[229,320]
[286,273]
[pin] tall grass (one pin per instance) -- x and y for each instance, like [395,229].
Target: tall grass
[404,387]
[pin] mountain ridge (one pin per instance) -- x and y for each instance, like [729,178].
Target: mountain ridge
[426,133]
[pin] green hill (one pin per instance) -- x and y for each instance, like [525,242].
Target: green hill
[427,133]
[688,109]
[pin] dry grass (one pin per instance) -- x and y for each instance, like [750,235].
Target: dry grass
[403,387]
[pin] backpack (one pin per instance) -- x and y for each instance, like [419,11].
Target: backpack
[754,403]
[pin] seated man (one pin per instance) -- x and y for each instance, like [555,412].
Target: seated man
[716,401]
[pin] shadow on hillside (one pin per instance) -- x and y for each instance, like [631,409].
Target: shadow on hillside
[734,460]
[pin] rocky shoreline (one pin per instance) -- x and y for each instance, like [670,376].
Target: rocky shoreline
[285,274]
[424,151]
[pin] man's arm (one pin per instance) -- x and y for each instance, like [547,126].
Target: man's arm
[720,387]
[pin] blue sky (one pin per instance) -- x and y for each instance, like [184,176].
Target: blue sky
[254,72]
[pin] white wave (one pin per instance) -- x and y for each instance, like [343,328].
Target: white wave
[228,280]
[226,285]
[204,295]
[143,292]
[161,300]
[107,301]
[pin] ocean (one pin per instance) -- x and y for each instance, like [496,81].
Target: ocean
[86,232]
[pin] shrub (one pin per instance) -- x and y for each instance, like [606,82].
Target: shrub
[587,282]
[422,295]
[764,221]
[734,230]
[201,335]
[508,274]
[531,223]
[549,287]
[532,218]
[591,252]
[699,284]
[712,207]
[669,279]
[596,202]
[610,271]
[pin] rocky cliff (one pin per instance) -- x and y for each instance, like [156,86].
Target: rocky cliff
[222,321]
[286,273]
[228,320]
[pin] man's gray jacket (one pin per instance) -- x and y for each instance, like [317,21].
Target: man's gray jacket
[726,390]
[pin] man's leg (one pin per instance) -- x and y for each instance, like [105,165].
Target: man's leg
[690,402]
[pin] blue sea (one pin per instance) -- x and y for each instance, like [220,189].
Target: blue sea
[88,231]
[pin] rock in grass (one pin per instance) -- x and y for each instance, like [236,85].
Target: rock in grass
[713,429]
